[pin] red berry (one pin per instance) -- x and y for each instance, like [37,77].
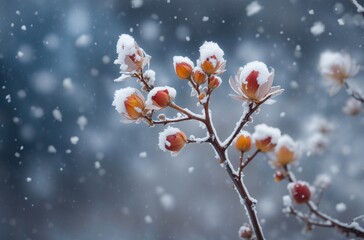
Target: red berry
[300,191]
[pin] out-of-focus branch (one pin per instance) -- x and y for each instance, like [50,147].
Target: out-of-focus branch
[328,221]
[354,94]
[359,8]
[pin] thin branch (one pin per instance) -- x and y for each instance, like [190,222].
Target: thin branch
[195,86]
[248,201]
[249,159]
[307,219]
[241,164]
[354,94]
[359,8]
[244,120]
[186,112]
[140,76]
[168,121]
[340,226]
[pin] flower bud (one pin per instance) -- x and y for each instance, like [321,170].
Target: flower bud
[243,142]
[130,56]
[278,176]
[352,107]
[214,82]
[183,67]
[300,191]
[286,151]
[172,139]
[160,97]
[198,76]
[336,68]
[211,58]
[201,96]
[245,231]
[265,137]
[253,82]
[130,103]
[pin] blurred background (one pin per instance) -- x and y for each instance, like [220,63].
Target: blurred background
[70,170]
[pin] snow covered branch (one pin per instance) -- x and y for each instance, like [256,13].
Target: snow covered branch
[253,86]
[359,8]
[314,213]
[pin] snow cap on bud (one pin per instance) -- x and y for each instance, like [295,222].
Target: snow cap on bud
[336,68]
[266,137]
[172,139]
[198,76]
[243,142]
[214,82]
[160,97]
[245,231]
[130,56]
[300,191]
[183,67]
[211,58]
[286,150]
[278,176]
[254,83]
[130,103]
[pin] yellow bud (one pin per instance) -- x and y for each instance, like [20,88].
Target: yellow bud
[134,106]
[183,67]
[198,76]
[243,142]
